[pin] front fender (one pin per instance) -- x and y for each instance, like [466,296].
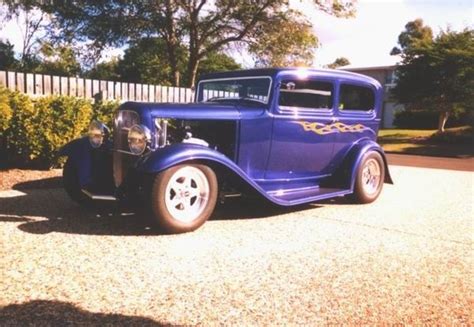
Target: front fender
[79,154]
[181,152]
[84,158]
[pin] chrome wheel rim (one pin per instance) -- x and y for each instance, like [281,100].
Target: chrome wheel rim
[371,176]
[187,194]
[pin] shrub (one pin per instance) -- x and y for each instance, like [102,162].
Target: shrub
[104,111]
[32,131]
[38,129]
[454,136]
[5,110]
[425,119]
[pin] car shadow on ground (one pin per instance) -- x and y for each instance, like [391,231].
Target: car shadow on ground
[45,210]
[57,313]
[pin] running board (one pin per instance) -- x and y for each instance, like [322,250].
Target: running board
[99,197]
[306,194]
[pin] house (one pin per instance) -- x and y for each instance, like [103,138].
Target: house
[387,78]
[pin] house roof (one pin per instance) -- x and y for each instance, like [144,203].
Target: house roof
[384,63]
[362,68]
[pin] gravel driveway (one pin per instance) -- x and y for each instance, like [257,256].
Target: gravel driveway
[407,258]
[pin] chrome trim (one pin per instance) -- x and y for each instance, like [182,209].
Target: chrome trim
[99,197]
[292,190]
[126,152]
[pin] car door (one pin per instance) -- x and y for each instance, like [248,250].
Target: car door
[302,144]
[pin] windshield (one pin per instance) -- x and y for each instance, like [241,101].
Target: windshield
[256,89]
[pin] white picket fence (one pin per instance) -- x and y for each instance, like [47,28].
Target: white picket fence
[41,85]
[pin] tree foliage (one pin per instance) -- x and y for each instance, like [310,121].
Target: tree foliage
[7,56]
[107,70]
[415,35]
[437,74]
[57,60]
[287,41]
[32,22]
[339,62]
[145,61]
[202,26]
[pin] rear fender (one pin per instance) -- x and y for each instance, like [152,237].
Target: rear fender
[359,150]
[347,172]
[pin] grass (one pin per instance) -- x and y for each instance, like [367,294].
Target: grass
[454,142]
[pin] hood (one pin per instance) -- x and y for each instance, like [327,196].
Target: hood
[213,111]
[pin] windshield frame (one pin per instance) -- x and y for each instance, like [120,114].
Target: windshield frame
[200,92]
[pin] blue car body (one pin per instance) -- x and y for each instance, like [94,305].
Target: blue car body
[290,155]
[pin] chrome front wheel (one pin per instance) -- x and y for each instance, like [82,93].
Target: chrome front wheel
[183,197]
[187,194]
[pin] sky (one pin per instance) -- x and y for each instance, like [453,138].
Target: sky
[366,39]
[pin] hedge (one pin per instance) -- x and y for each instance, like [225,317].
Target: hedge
[33,130]
[427,119]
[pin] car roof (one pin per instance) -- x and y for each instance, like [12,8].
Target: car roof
[273,72]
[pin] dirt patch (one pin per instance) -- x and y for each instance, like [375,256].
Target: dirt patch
[27,179]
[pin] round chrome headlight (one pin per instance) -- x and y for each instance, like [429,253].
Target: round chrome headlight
[138,138]
[97,132]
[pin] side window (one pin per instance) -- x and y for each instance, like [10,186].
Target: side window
[352,97]
[306,94]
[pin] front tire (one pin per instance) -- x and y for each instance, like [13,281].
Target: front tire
[71,183]
[370,178]
[183,197]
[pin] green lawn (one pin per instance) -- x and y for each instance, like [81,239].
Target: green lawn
[421,142]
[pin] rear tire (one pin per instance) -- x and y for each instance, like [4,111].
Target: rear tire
[370,178]
[71,183]
[183,197]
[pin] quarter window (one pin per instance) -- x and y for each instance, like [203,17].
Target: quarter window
[306,94]
[353,97]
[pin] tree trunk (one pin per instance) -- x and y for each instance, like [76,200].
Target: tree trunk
[443,118]
[174,68]
[193,65]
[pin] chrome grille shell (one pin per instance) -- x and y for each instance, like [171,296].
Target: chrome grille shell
[123,158]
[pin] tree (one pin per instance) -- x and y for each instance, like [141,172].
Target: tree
[339,62]
[146,61]
[284,42]
[33,22]
[415,35]
[107,70]
[217,62]
[57,60]
[202,26]
[7,56]
[437,75]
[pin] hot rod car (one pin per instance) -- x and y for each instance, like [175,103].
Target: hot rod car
[290,135]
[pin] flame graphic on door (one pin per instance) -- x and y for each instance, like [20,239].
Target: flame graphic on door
[338,127]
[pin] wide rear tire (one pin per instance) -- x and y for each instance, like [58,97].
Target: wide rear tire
[370,178]
[183,197]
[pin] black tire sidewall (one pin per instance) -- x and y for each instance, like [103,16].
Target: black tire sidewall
[359,192]
[160,213]
[71,183]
